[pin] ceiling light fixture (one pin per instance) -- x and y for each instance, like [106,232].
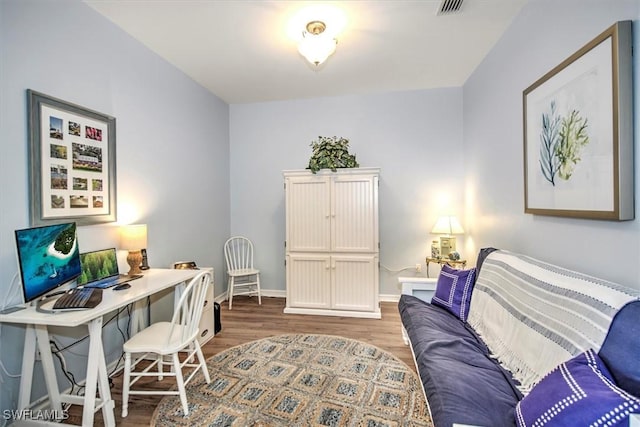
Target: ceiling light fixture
[316,45]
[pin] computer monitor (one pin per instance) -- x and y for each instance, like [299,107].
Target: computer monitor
[48,257]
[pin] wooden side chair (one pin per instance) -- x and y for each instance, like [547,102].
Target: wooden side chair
[243,278]
[169,339]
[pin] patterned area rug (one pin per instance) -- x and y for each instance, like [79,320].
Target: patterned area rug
[301,380]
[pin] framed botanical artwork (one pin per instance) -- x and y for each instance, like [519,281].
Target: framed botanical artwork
[578,133]
[72,162]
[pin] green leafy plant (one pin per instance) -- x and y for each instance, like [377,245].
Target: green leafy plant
[549,141]
[561,141]
[331,153]
[573,136]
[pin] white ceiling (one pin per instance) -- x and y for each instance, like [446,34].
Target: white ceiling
[240,50]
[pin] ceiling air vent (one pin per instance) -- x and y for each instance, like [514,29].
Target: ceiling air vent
[449,7]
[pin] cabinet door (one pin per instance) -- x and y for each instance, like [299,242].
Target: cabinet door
[354,213]
[354,282]
[206,324]
[308,281]
[307,211]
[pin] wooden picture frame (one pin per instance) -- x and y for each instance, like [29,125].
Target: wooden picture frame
[72,162]
[578,133]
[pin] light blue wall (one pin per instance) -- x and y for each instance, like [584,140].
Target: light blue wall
[414,137]
[544,34]
[173,151]
[172,147]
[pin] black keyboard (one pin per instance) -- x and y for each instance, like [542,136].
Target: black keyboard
[78,299]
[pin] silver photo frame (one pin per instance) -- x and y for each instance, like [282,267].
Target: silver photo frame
[72,162]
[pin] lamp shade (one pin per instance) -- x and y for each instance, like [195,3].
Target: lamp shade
[447,225]
[133,237]
[316,48]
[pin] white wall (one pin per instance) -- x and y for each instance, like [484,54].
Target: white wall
[172,148]
[543,35]
[414,137]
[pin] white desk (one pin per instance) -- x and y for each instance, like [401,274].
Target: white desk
[97,381]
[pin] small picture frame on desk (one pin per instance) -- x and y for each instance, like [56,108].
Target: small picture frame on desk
[145,260]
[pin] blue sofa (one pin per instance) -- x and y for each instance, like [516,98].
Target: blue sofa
[468,383]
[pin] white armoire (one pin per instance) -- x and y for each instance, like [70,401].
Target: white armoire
[332,242]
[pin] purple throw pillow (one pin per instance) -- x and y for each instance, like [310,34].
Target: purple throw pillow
[453,291]
[579,392]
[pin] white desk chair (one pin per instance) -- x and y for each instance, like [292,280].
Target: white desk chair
[243,278]
[169,339]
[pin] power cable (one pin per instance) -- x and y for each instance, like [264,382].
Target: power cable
[63,366]
[3,368]
[399,270]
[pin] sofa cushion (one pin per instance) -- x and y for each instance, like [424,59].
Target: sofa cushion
[621,348]
[453,291]
[463,384]
[579,392]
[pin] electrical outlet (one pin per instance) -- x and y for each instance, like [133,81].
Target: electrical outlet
[418,268]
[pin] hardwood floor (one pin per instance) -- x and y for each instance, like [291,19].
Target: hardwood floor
[247,322]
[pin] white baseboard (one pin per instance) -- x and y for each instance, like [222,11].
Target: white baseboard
[321,312]
[389,297]
[275,293]
[270,293]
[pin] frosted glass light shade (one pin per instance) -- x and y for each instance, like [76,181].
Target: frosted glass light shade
[447,225]
[317,48]
[133,237]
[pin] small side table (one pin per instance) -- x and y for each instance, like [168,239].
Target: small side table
[457,263]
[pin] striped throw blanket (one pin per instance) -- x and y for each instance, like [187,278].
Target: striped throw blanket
[534,316]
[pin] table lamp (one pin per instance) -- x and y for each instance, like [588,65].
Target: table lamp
[447,225]
[134,238]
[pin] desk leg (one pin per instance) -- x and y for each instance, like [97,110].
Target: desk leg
[28,360]
[97,379]
[42,337]
[108,409]
[138,321]
[177,293]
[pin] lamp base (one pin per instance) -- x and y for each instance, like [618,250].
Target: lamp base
[134,259]
[447,245]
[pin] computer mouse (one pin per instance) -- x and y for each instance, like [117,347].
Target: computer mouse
[122,287]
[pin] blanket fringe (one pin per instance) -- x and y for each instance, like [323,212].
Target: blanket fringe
[526,376]
[517,310]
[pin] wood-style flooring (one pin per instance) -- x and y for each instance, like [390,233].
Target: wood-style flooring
[248,321]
